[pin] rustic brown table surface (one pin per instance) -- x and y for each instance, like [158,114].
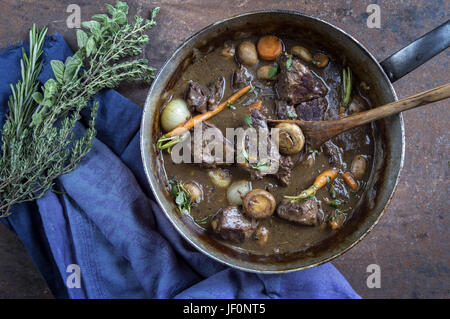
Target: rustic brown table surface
[411,244]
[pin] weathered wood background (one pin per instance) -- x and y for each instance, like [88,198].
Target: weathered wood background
[411,243]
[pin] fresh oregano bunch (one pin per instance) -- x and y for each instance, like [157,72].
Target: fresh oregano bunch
[44,146]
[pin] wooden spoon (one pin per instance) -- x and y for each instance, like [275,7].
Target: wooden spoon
[318,132]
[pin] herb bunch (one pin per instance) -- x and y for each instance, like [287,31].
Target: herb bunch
[39,141]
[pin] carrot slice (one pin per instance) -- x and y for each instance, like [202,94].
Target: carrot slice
[269,47]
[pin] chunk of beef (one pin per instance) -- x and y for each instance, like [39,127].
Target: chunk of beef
[201,99]
[258,119]
[284,110]
[216,91]
[334,154]
[241,78]
[284,170]
[256,160]
[313,110]
[230,224]
[297,84]
[197,97]
[300,212]
[205,145]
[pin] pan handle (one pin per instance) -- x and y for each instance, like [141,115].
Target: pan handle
[418,52]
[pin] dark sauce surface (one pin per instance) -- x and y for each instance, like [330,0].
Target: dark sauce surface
[284,236]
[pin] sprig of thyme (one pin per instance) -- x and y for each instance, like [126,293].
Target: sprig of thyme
[181,196]
[44,145]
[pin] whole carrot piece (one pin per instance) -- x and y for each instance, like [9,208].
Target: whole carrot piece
[350,180]
[171,138]
[321,180]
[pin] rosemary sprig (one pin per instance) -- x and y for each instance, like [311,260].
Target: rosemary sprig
[21,104]
[40,147]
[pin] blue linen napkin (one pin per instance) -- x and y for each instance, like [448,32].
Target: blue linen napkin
[107,222]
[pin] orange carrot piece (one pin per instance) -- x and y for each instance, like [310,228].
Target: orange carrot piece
[350,180]
[256,105]
[269,47]
[320,181]
[337,222]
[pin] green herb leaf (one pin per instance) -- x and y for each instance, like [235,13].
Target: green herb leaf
[333,192]
[203,221]
[231,106]
[334,203]
[289,62]
[82,38]
[292,114]
[37,96]
[248,120]
[273,71]
[260,166]
[58,70]
[93,26]
[72,66]
[90,46]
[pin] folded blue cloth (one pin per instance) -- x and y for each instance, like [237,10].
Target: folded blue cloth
[107,222]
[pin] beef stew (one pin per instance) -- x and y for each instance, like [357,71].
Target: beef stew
[244,204]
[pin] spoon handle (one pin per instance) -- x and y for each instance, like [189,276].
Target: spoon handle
[439,93]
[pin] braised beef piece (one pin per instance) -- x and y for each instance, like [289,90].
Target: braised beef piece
[208,142]
[200,99]
[284,110]
[300,212]
[259,162]
[284,170]
[230,224]
[296,83]
[334,153]
[258,120]
[313,110]
[216,91]
[241,77]
[197,97]
[271,164]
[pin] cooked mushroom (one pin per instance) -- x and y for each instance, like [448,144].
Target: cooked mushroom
[194,191]
[262,236]
[302,53]
[220,177]
[291,138]
[320,60]
[259,204]
[247,53]
[358,167]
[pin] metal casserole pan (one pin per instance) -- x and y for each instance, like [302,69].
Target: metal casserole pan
[390,139]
